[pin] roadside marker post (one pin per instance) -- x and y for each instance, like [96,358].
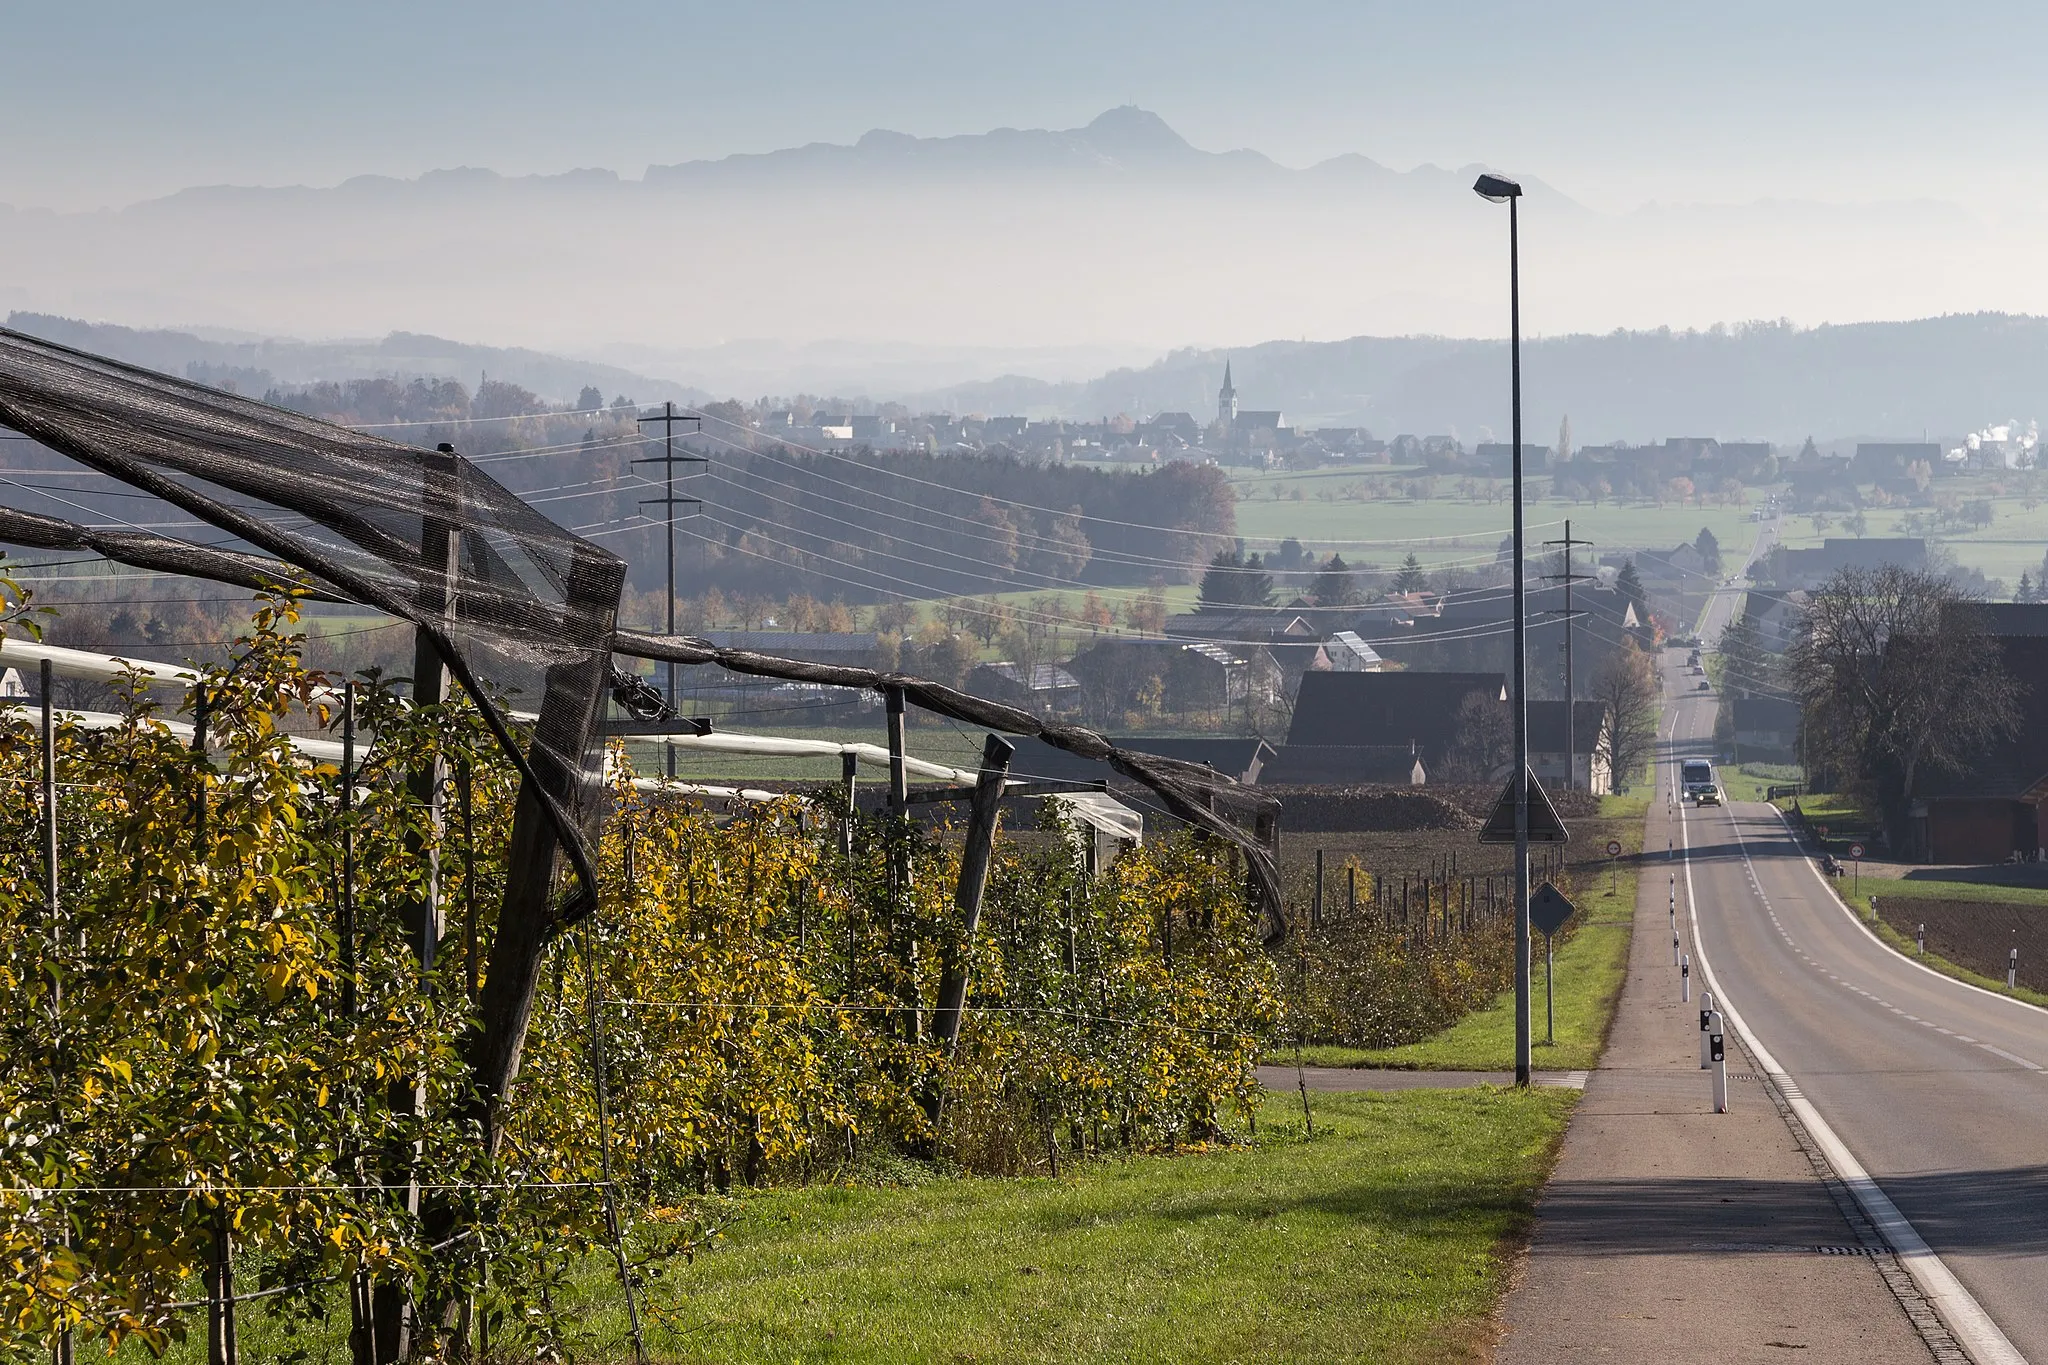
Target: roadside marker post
[1684,978]
[1921,939]
[1674,950]
[1717,1053]
[1706,1010]
[2012,970]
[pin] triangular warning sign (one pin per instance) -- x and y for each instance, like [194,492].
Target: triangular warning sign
[1544,826]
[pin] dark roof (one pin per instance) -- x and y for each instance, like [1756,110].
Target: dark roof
[2015,768]
[1230,755]
[1343,765]
[1546,726]
[1766,713]
[2014,618]
[1385,709]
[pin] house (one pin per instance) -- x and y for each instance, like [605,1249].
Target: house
[1348,652]
[1810,568]
[1382,727]
[1590,769]
[1766,730]
[1292,637]
[1998,805]
[1181,676]
[1044,688]
[1884,459]
[1774,616]
[1004,428]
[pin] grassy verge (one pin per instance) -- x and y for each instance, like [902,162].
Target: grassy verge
[1387,1237]
[1587,984]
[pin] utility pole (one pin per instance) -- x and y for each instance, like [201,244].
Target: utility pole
[668,460]
[1571,751]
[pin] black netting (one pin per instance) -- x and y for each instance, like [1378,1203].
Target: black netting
[522,607]
[1195,793]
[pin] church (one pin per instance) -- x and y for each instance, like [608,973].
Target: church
[1251,428]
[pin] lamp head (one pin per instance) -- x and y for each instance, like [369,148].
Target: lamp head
[1497,188]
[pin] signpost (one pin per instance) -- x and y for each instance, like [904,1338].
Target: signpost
[1856,878]
[1613,854]
[1548,911]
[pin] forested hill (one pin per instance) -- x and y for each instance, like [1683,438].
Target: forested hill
[1766,381]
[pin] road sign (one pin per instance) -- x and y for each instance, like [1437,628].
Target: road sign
[1855,850]
[1614,848]
[1821,830]
[1544,826]
[1549,909]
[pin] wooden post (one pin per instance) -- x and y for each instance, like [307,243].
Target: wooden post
[1351,894]
[222,1347]
[849,768]
[904,943]
[1315,914]
[982,817]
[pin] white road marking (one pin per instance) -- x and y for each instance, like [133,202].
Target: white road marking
[1978,1335]
[2012,1057]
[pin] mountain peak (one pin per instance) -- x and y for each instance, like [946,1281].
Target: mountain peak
[1127,128]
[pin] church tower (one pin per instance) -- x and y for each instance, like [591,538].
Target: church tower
[1226,399]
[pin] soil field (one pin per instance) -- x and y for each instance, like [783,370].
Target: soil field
[1976,934]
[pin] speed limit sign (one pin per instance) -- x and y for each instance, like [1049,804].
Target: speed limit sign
[1855,850]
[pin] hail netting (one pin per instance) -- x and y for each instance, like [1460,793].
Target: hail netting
[521,608]
[1191,791]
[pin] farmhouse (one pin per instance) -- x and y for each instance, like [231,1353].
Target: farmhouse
[1407,728]
[1998,806]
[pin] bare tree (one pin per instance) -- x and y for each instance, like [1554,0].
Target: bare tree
[1626,688]
[1485,742]
[1896,673]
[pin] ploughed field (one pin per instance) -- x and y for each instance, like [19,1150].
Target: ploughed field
[1978,935]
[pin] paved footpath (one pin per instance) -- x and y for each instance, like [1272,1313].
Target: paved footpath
[1669,1233]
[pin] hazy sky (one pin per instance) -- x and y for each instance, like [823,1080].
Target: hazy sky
[106,102]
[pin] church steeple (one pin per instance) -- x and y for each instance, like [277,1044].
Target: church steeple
[1226,398]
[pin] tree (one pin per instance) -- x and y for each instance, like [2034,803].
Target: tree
[1564,440]
[1709,547]
[590,399]
[2026,588]
[1625,686]
[1746,666]
[1809,452]
[1486,739]
[1629,584]
[1412,576]
[1335,584]
[1146,613]
[1856,524]
[1233,580]
[1896,674]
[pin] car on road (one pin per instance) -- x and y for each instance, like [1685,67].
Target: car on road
[1697,781]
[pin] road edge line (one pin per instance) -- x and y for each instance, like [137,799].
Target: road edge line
[1973,1328]
[1878,939]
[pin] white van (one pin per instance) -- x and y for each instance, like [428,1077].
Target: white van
[1696,782]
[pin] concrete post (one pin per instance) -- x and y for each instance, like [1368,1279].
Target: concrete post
[1706,1010]
[1718,1054]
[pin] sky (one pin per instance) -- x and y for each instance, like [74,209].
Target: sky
[107,102]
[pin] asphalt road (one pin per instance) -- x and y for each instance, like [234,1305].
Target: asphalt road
[1937,1090]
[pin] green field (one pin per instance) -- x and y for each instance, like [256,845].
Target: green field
[1446,528]
[1386,1237]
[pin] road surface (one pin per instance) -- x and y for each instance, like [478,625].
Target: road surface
[1936,1089]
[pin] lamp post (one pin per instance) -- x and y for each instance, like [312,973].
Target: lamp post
[1501,190]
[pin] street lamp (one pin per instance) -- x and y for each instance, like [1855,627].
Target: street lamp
[1499,190]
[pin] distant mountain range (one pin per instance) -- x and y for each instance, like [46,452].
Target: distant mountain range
[252,364]
[1114,237]
[1942,377]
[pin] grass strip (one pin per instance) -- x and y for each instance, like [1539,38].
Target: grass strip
[1386,1237]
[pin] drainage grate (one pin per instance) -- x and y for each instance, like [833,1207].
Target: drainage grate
[1781,1248]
